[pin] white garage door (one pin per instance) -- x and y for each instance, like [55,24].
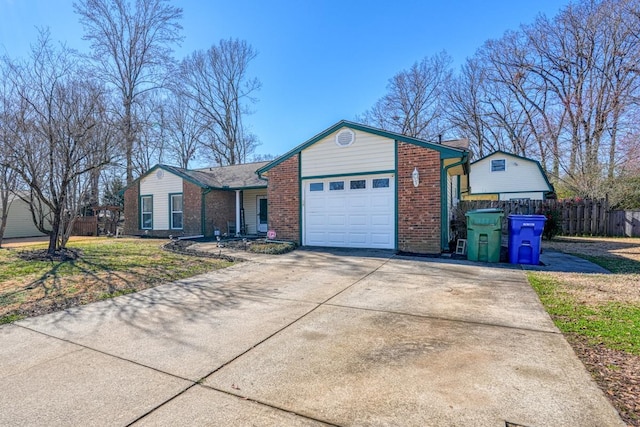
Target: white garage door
[351,212]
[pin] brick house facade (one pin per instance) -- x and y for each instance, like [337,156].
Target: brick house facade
[283,195]
[349,186]
[329,190]
[419,214]
[208,199]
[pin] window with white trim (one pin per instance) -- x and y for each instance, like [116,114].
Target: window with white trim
[175,202]
[146,212]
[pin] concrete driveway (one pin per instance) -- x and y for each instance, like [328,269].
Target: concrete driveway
[310,338]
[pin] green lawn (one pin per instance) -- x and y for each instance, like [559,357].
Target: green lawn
[106,268]
[614,324]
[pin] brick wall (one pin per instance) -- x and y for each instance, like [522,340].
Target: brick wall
[131,212]
[283,197]
[220,207]
[191,210]
[418,208]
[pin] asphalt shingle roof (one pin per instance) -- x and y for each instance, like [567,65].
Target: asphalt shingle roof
[232,177]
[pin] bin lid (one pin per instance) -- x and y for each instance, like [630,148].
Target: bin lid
[527,217]
[485,211]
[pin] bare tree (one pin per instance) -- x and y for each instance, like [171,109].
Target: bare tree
[218,83]
[562,89]
[8,175]
[132,48]
[184,132]
[413,103]
[60,136]
[150,146]
[465,96]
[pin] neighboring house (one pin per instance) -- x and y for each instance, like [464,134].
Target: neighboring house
[20,221]
[355,186]
[167,200]
[504,176]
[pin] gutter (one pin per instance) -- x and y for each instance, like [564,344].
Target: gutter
[444,209]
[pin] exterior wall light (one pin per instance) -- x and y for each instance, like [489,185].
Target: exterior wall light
[416,177]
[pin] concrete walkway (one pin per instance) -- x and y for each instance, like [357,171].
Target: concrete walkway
[308,338]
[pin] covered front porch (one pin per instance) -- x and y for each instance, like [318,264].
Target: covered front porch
[250,212]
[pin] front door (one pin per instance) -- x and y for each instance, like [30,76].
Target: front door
[262,214]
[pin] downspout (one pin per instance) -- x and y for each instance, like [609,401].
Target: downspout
[444,208]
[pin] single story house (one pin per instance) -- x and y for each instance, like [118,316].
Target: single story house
[505,176]
[167,200]
[20,221]
[351,186]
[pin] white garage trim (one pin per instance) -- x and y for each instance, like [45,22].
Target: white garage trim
[353,211]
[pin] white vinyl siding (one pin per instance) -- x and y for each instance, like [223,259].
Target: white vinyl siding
[20,222]
[160,188]
[368,153]
[249,202]
[520,175]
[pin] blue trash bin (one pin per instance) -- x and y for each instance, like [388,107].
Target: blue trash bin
[525,238]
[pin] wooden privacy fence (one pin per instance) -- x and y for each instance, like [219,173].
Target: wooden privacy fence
[625,223]
[85,226]
[578,217]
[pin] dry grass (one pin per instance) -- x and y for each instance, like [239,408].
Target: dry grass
[619,255]
[104,269]
[600,314]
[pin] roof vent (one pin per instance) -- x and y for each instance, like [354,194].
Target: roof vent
[345,137]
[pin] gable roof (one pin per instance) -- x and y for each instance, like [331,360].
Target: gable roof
[445,151]
[233,177]
[526,159]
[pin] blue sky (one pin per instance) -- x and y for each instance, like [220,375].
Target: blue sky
[319,61]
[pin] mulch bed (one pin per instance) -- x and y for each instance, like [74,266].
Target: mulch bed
[61,255]
[616,372]
[182,247]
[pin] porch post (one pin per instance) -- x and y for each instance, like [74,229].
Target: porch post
[237,213]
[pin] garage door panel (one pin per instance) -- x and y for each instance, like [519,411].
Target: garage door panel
[336,220]
[359,201]
[316,204]
[383,220]
[380,238]
[384,200]
[358,238]
[316,239]
[356,220]
[352,217]
[316,220]
[336,202]
[337,238]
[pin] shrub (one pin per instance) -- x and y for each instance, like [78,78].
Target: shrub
[553,225]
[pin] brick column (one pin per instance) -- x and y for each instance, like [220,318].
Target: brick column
[283,198]
[419,208]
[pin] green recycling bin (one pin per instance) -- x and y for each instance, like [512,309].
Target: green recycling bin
[484,234]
